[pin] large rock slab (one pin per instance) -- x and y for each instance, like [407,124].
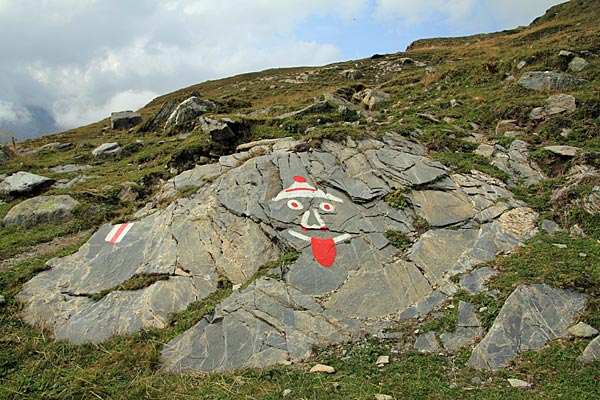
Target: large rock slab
[555,104]
[23,183]
[538,80]
[40,210]
[531,317]
[327,205]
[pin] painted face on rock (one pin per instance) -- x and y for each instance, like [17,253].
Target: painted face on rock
[313,208]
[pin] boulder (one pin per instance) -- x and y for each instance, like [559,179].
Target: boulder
[124,119]
[189,110]
[23,183]
[555,104]
[531,316]
[219,131]
[106,149]
[351,74]
[578,64]
[40,210]
[538,80]
[371,98]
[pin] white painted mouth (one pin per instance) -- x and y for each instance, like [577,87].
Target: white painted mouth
[337,239]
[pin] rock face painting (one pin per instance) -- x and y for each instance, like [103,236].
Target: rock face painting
[329,206]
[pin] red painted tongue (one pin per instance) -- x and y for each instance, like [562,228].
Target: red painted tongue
[323,251]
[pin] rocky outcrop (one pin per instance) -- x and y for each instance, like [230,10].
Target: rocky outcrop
[514,161]
[531,317]
[538,80]
[555,104]
[188,111]
[40,210]
[24,183]
[328,206]
[124,119]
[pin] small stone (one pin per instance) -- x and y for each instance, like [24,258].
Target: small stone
[517,383]
[453,386]
[483,309]
[583,330]
[559,245]
[450,306]
[380,396]
[476,381]
[286,392]
[583,255]
[336,385]
[591,352]
[550,227]
[322,368]
[2,300]
[382,360]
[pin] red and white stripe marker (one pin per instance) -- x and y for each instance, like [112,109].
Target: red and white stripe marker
[118,232]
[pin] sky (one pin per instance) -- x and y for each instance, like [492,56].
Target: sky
[68,63]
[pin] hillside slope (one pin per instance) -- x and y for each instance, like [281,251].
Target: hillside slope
[469,102]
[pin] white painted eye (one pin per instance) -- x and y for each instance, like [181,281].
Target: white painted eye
[327,207]
[295,205]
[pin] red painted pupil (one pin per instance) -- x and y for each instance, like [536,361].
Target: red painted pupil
[299,179]
[294,204]
[327,207]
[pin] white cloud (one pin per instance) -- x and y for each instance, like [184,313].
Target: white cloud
[11,113]
[76,111]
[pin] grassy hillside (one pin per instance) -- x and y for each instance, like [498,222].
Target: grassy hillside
[467,85]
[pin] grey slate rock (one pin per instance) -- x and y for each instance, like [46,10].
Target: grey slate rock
[538,80]
[326,204]
[531,316]
[550,227]
[591,352]
[425,305]
[23,183]
[475,281]
[468,328]
[583,330]
[427,343]
[124,119]
[188,110]
[219,131]
[565,151]
[40,210]
[578,64]
[555,104]
[106,149]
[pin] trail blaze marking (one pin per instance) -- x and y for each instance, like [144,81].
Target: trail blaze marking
[118,232]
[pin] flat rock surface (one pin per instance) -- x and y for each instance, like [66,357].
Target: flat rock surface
[531,316]
[328,206]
